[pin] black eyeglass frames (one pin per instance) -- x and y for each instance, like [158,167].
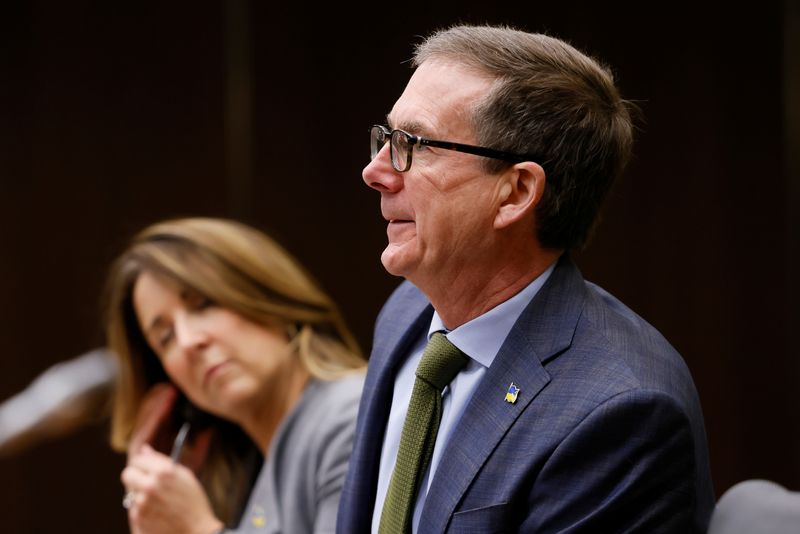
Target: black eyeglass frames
[401,147]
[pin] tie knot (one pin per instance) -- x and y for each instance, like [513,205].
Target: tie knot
[440,362]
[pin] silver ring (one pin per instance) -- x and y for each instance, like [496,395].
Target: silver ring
[129,499]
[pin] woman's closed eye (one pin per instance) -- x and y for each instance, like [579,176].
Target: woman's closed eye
[165,337]
[195,301]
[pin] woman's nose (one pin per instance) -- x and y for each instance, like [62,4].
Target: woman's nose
[189,334]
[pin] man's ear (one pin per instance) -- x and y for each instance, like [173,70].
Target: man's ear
[520,192]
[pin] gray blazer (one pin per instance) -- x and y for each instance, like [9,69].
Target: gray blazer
[300,483]
[756,506]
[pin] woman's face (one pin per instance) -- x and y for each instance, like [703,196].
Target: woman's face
[224,363]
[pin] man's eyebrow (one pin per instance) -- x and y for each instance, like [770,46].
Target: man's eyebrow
[412,127]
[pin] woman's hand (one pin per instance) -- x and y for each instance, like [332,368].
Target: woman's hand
[167,497]
[153,418]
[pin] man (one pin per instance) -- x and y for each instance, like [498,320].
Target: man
[571,414]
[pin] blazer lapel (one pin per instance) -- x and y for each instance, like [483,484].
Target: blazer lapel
[544,329]
[397,337]
[409,315]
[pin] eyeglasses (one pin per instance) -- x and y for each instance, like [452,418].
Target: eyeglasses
[401,147]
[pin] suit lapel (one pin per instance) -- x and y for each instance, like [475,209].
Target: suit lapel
[398,339]
[409,315]
[543,330]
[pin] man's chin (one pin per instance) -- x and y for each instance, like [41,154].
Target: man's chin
[396,261]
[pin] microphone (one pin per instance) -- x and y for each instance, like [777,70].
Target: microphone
[66,396]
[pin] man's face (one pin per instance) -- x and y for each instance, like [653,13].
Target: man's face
[440,211]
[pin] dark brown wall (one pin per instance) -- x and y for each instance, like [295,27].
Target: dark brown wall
[114,115]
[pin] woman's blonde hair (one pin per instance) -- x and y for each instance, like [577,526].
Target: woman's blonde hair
[236,267]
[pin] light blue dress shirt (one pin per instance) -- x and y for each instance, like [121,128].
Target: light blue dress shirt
[480,339]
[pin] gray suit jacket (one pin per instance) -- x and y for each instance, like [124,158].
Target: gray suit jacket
[298,489]
[757,506]
[606,434]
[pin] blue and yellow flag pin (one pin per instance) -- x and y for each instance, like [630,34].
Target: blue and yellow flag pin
[258,519]
[512,393]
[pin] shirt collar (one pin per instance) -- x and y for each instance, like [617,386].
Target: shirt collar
[482,337]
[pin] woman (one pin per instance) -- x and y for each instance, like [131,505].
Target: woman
[221,312]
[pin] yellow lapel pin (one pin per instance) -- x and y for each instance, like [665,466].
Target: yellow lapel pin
[512,393]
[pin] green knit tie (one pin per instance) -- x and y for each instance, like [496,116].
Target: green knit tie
[440,363]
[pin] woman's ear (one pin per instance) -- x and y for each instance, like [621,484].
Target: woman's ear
[519,193]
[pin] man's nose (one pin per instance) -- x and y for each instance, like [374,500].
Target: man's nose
[380,175]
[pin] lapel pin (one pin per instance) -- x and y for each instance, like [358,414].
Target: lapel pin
[258,518]
[512,393]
